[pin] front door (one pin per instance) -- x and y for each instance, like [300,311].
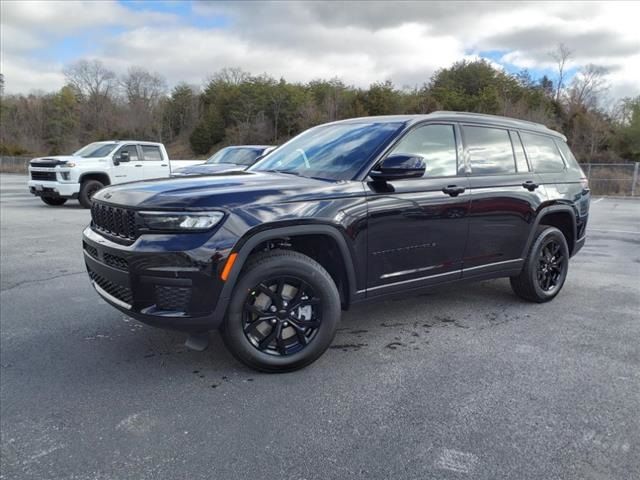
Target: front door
[127,171]
[417,228]
[505,195]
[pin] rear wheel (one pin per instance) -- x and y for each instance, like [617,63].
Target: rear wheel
[54,201]
[88,189]
[283,313]
[546,267]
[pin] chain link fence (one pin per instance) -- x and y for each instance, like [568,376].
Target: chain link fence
[613,178]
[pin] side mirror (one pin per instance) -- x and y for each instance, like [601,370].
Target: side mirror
[123,156]
[399,166]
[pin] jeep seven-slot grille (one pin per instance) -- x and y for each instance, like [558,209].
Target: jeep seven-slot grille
[113,289]
[46,176]
[114,221]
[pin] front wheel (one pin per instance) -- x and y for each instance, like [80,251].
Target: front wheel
[87,190]
[283,313]
[546,267]
[54,201]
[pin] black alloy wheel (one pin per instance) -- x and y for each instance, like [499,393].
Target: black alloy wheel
[545,268]
[281,316]
[551,264]
[283,313]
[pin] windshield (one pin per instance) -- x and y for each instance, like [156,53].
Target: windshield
[95,150]
[236,156]
[333,152]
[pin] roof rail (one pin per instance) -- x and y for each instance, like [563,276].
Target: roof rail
[484,115]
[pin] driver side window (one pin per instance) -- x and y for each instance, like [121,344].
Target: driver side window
[131,149]
[436,144]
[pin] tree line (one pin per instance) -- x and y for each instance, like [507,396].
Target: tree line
[236,107]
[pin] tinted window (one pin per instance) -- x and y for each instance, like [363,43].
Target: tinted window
[521,159]
[567,154]
[235,156]
[96,150]
[436,144]
[336,151]
[542,153]
[151,152]
[133,152]
[490,150]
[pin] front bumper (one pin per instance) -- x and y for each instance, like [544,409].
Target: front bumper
[155,282]
[43,188]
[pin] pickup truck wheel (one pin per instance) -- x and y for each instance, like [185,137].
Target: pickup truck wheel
[54,201]
[545,268]
[283,313]
[87,190]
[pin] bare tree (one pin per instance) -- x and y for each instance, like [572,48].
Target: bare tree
[97,84]
[588,86]
[142,87]
[560,55]
[91,78]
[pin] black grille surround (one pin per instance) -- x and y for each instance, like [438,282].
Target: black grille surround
[114,221]
[118,291]
[44,176]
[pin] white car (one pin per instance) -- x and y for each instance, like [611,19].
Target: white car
[56,179]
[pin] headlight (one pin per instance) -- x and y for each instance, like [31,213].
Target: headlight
[180,221]
[69,165]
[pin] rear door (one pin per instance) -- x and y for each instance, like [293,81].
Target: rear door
[505,195]
[416,230]
[155,163]
[130,171]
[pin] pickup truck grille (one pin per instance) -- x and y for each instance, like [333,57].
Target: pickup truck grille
[114,221]
[46,176]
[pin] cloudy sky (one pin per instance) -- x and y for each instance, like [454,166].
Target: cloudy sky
[360,42]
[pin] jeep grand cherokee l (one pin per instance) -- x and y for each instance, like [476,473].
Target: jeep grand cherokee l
[343,213]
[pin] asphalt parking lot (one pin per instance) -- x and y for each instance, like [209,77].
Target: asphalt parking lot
[469,382]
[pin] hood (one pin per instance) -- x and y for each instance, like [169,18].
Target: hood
[204,169]
[52,161]
[220,190]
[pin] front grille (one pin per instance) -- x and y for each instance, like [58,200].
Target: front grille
[116,262]
[113,289]
[46,176]
[172,298]
[114,221]
[91,250]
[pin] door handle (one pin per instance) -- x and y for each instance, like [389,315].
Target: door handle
[163,164]
[138,165]
[530,185]
[453,190]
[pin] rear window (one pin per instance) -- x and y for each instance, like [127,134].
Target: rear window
[567,154]
[542,153]
[151,152]
[490,150]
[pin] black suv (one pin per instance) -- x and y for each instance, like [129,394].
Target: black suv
[343,213]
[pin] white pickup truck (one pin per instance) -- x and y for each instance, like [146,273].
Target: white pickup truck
[56,179]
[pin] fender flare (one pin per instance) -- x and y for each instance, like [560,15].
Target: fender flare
[82,176]
[248,244]
[540,216]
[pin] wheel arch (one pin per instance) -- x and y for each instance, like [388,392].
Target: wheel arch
[563,217]
[252,242]
[102,177]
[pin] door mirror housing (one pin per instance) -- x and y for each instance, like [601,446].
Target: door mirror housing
[123,156]
[399,166]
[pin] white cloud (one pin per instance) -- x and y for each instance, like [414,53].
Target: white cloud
[360,43]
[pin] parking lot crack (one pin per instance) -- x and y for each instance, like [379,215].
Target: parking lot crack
[28,282]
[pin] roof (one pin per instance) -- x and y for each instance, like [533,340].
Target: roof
[465,117]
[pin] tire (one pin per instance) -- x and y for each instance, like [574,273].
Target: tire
[54,201]
[260,338]
[87,191]
[546,267]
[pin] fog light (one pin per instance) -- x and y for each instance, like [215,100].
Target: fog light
[65,175]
